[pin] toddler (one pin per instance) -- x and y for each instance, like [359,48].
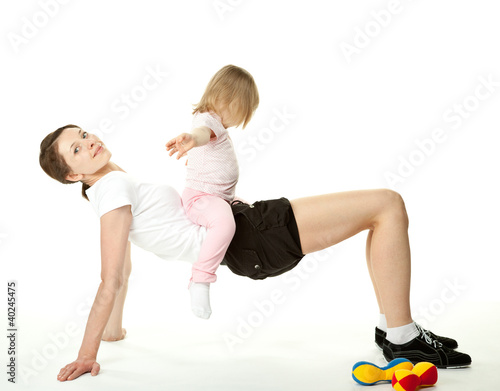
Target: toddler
[230,99]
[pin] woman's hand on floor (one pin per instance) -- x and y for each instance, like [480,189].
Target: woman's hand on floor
[79,367]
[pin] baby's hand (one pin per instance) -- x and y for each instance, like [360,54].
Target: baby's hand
[181,144]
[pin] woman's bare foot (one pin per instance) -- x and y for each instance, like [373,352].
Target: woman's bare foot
[114,336]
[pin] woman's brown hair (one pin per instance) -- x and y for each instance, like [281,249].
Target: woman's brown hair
[51,160]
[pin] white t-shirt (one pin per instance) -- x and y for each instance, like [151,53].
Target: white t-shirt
[213,167]
[159,223]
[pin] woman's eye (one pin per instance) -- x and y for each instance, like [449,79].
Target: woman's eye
[84,136]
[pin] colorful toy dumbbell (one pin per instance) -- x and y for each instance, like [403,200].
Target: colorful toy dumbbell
[367,374]
[423,374]
[400,372]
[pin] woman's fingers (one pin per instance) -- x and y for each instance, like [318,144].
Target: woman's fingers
[73,375]
[65,372]
[81,369]
[78,368]
[95,369]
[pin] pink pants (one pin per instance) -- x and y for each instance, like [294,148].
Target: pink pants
[216,215]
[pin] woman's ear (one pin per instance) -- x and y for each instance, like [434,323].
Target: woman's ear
[74,177]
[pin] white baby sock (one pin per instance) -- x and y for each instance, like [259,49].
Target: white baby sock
[200,299]
[402,334]
[382,322]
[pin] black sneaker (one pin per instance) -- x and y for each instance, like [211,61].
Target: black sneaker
[448,342]
[425,348]
[379,337]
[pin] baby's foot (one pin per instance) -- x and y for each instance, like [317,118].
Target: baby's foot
[200,299]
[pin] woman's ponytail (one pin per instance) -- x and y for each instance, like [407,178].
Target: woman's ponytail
[85,187]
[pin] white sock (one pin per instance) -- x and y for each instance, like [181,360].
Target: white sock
[382,322]
[402,334]
[200,299]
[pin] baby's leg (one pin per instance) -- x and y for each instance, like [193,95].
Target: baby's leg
[216,215]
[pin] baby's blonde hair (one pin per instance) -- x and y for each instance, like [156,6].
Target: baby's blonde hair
[233,87]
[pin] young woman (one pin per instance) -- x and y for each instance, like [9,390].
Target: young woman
[271,237]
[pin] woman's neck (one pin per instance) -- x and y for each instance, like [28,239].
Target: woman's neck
[90,179]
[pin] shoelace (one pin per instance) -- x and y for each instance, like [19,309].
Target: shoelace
[428,339]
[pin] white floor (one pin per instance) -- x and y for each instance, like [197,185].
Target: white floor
[274,357]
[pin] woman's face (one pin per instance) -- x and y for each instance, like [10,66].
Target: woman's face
[83,152]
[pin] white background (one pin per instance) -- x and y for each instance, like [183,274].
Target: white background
[414,66]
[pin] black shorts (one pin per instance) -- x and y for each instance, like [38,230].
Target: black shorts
[266,242]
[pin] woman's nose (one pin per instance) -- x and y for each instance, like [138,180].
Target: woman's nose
[92,141]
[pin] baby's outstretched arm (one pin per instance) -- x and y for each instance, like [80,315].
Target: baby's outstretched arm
[185,141]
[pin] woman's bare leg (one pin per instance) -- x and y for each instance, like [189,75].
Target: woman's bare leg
[370,270]
[329,219]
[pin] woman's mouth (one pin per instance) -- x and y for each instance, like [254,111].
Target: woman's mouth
[99,150]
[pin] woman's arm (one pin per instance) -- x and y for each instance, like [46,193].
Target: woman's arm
[114,330]
[115,226]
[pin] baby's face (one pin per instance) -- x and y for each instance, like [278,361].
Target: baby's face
[226,117]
